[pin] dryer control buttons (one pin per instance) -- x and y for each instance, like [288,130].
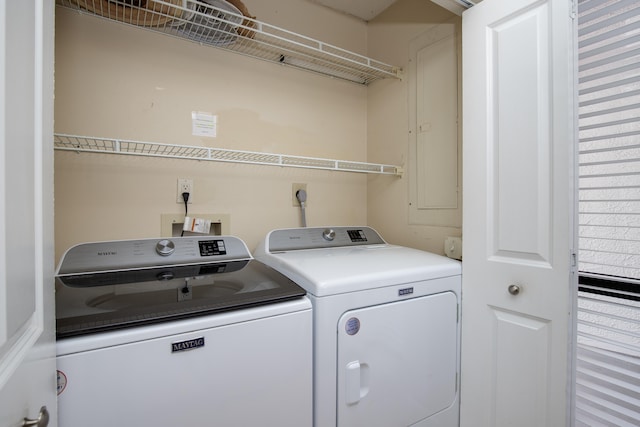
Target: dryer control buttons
[357,235]
[329,234]
[165,247]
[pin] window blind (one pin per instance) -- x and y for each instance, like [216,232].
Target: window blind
[609,135]
[608,351]
[608,354]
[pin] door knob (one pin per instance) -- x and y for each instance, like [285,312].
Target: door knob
[41,421]
[514,289]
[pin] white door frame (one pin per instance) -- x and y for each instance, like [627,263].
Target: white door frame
[27,336]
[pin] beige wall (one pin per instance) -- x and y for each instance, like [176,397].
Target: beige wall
[122,82]
[389,36]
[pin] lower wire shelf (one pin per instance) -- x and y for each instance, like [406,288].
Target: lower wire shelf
[88,144]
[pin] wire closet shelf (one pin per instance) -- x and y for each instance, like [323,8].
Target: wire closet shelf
[220,24]
[87,144]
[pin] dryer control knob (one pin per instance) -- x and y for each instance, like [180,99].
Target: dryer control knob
[328,234]
[165,247]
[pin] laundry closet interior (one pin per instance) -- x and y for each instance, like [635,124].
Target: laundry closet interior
[125,82]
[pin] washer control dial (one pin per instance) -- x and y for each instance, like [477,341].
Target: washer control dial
[165,247]
[328,234]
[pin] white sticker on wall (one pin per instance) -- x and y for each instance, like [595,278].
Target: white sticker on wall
[204,124]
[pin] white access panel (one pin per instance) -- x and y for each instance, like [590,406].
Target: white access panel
[397,362]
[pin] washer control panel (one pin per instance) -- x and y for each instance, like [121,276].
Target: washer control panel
[321,237]
[212,247]
[128,254]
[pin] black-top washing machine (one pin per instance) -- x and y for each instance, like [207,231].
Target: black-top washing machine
[187,331]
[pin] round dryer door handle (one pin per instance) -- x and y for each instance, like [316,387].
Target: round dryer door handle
[514,289]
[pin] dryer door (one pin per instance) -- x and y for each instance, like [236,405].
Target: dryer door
[397,362]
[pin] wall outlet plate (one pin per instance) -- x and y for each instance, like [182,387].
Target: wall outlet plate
[453,247]
[185,293]
[185,185]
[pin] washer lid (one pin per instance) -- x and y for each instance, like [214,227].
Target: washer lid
[113,285]
[97,302]
[355,267]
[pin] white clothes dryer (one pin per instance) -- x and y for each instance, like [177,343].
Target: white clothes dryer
[386,326]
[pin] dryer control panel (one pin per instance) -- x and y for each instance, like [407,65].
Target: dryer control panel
[321,237]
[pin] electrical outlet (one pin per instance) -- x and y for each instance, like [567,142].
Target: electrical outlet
[184,186]
[453,247]
[185,293]
[294,189]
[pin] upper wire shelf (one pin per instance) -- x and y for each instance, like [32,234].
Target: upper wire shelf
[89,144]
[220,24]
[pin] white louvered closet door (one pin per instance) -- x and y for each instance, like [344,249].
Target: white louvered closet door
[608,351]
